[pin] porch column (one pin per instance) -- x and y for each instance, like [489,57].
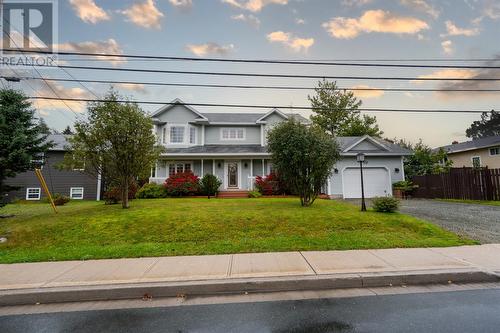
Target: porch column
[263,169]
[201,173]
[213,167]
[251,167]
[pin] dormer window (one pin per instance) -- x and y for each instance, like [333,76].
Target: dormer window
[177,134]
[232,133]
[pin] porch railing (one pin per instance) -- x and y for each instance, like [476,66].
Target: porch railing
[251,183]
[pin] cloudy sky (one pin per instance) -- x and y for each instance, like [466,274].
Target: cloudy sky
[285,29]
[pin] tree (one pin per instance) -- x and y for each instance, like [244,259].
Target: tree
[67,131]
[336,112]
[116,141]
[424,160]
[22,136]
[303,157]
[489,125]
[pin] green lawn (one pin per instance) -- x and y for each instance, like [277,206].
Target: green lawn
[478,202]
[166,227]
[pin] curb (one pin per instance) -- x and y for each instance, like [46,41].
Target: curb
[108,292]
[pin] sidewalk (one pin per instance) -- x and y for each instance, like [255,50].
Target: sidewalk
[236,273]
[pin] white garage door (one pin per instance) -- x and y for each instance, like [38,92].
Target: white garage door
[376,182]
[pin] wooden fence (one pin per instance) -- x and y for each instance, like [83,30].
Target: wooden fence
[460,183]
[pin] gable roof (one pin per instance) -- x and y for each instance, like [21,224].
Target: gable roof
[347,143]
[278,112]
[472,145]
[174,103]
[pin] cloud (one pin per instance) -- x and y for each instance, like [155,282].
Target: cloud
[137,87]
[88,11]
[464,85]
[209,48]
[250,19]
[300,21]
[449,74]
[253,5]
[357,3]
[422,6]
[453,30]
[182,4]
[63,92]
[447,46]
[492,9]
[107,46]
[373,21]
[371,93]
[144,14]
[295,43]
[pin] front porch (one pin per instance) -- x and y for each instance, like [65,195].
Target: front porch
[235,173]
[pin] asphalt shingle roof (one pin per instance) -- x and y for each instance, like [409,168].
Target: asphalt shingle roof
[60,141]
[472,145]
[244,117]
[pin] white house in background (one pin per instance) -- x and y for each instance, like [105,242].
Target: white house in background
[232,146]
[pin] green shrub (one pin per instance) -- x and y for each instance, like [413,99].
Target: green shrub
[210,185]
[385,204]
[59,199]
[254,194]
[151,191]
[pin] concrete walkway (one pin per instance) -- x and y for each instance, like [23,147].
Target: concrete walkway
[48,275]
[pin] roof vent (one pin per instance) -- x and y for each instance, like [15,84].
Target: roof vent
[455,142]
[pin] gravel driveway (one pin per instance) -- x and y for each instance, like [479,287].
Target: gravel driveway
[479,222]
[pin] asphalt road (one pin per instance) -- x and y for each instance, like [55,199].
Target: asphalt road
[458,311]
[479,222]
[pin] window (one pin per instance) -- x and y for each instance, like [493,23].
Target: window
[38,160]
[494,151]
[178,167]
[232,134]
[153,172]
[476,162]
[192,135]
[76,193]
[33,193]
[176,134]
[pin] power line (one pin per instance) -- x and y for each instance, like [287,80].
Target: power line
[255,61]
[294,76]
[252,86]
[265,106]
[46,83]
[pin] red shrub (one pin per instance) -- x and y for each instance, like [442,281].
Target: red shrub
[270,185]
[182,183]
[114,195]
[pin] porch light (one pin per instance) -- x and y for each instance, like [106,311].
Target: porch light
[360,157]
[396,170]
[218,165]
[246,164]
[336,170]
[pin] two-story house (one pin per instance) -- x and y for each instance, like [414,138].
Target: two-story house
[232,146]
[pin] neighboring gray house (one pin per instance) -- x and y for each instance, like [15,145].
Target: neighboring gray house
[232,146]
[72,183]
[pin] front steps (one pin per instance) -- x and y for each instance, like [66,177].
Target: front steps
[232,194]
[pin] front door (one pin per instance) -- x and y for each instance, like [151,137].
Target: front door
[232,174]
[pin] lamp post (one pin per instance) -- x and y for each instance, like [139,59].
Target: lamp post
[361,158]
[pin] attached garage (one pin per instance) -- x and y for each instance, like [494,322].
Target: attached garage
[377,182]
